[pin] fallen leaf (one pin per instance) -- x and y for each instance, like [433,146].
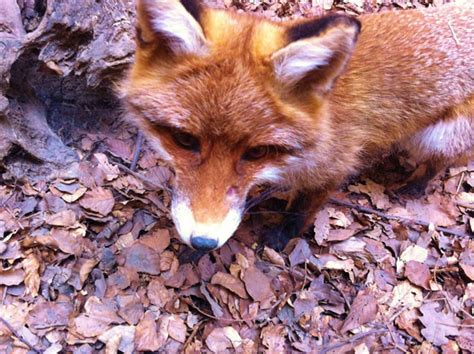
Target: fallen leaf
[273,337]
[418,273]
[438,325]
[130,308]
[257,284]
[231,283]
[65,218]
[217,341]
[157,293]
[321,226]
[143,259]
[49,314]
[363,310]
[408,321]
[11,277]
[406,295]
[119,338]
[466,261]
[85,269]
[98,200]
[300,253]
[177,328]
[273,256]
[111,171]
[31,266]
[146,335]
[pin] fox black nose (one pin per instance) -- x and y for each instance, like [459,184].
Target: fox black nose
[203,243]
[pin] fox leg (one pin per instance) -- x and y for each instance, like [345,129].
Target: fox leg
[298,217]
[442,143]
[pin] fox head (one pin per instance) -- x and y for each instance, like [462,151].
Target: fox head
[230,101]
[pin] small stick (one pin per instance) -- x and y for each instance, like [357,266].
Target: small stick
[17,335]
[142,178]
[352,339]
[454,34]
[396,217]
[136,153]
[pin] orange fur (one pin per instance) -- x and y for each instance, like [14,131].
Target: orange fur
[408,71]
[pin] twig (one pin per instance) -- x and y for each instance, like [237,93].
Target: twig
[454,34]
[142,178]
[17,335]
[350,340]
[136,153]
[192,335]
[214,317]
[461,180]
[397,217]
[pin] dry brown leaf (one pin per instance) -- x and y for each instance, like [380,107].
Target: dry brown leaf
[466,260]
[406,295]
[217,341]
[177,328]
[143,259]
[98,200]
[68,241]
[31,265]
[85,269]
[146,335]
[231,283]
[321,226]
[49,314]
[273,337]
[438,324]
[11,277]
[363,310]
[158,240]
[130,308]
[257,284]
[408,320]
[111,171]
[97,318]
[273,256]
[418,273]
[375,191]
[157,293]
[119,338]
[300,253]
[66,218]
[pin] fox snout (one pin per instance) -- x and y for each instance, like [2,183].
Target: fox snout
[202,227]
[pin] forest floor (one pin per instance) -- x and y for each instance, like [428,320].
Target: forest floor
[91,262]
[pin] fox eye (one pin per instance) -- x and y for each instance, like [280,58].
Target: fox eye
[256,153]
[185,140]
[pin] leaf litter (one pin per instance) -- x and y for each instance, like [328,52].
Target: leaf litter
[91,263]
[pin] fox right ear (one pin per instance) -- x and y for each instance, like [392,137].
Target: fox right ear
[171,25]
[317,54]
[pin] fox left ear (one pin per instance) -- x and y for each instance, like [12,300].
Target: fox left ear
[317,54]
[172,25]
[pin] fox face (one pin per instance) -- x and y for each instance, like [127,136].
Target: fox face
[224,99]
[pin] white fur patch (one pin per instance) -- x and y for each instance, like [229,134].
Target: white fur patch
[183,218]
[180,28]
[447,139]
[269,175]
[295,61]
[220,231]
[156,144]
[187,226]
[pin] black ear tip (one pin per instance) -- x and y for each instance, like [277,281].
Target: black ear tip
[317,26]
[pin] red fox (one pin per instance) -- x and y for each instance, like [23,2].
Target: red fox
[232,100]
